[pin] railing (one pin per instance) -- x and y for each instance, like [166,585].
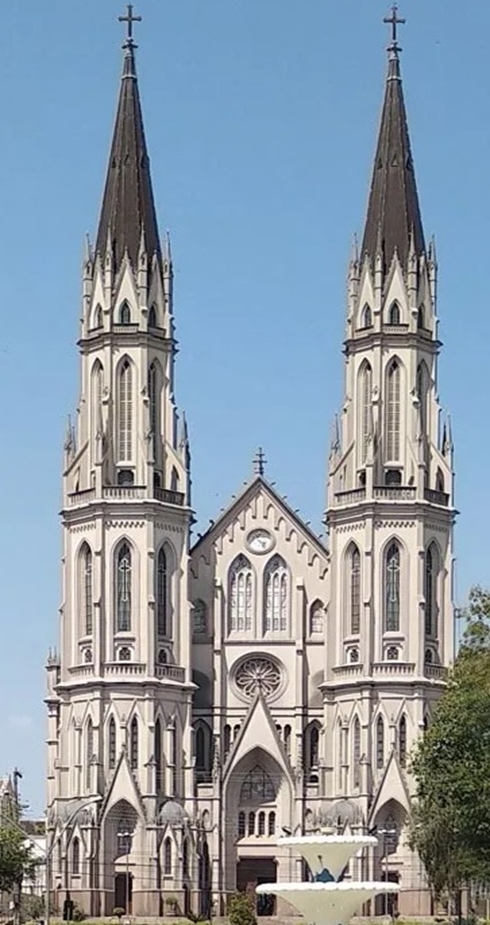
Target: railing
[81,497]
[82,671]
[424,332]
[349,671]
[438,672]
[126,328]
[170,672]
[169,497]
[125,668]
[124,493]
[127,493]
[395,328]
[393,668]
[351,497]
[436,497]
[394,493]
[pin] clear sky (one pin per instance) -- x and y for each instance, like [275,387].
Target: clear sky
[261,117]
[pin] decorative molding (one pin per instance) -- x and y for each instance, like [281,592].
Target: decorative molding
[125,524]
[395,524]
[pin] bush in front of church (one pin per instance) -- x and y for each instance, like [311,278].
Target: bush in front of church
[241,910]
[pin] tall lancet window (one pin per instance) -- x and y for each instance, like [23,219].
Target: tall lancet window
[125,412]
[86,593]
[89,753]
[123,589]
[240,595]
[158,755]
[392,588]
[393,387]
[96,392]
[134,743]
[431,578]
[422,394]
[154,409]
[366,392]
[276,596]
[355,590]
[356,753]
[112,743]
[380,742]
[163,594]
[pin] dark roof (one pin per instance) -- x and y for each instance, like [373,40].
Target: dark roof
[393,215]
[128,207]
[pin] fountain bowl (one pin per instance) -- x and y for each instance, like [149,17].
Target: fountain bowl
[332,903]
[331,852]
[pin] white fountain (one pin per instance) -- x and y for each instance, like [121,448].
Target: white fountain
[325,900]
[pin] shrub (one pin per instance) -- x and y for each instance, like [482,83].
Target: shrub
[241,910]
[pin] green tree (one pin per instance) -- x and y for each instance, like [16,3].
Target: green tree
[16,858]
[241,910]
[450,825]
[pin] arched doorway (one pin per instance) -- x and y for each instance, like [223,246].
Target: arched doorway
[388,862]
[119,830]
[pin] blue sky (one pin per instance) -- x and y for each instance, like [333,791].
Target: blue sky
[261,118]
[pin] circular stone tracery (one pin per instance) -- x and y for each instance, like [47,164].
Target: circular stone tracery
[258,673]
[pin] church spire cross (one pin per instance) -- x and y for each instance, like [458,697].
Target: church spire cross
[394,21]
[259,462]
[130,19]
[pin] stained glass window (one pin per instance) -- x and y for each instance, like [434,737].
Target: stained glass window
[392,588]
[240,595]
[276,595]
[123,589]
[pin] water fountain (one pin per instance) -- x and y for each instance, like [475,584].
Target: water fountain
[324,900]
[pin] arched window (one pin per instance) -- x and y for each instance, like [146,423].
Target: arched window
[163,594]
[355,589]
[366,317]
[75,857]
[287,740]
[152,317]
[125,412]
[154,404]
[356,752]
[97,380]
[174,480]
[261,826]
[393,390]
[380,743]
[125,313]
[123,589]
[431,580]
[440,486]
[86,595]
[199,626]
[316,617]
[394,314]
[173,758]
[158,755]
[276,595]
[402,741]
[227,739]
[167,857]
[421,318]
[257,787]
[392,588]
[124,654]
[200,749]
[312,746]
[98,317]
[89,753]
[422,388]
[134,743]
[241,825]
[240,595]
[272,823]
[251,823]
[365,408]
[185,858]
[112,743]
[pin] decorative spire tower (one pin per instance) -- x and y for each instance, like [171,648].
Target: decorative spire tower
[390,487]
[119,699]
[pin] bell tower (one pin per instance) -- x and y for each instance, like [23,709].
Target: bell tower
[390,488]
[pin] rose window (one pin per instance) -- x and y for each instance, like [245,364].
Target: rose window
[258,674]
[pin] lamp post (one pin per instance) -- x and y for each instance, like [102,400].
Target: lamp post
[127,838]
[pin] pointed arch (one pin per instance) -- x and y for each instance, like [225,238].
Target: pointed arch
[431,581]
[75,857]
[402,740]
[125,313]
[340,752]
[365,393]
[394,314]
[158,755]
[134,744]
[98,317]
[199,618]
[174,480]
[152,317]
[257,787]
[276,596]
[96,393]
[366,317]
[421,318]
[112,744]
[422,389]
[167,857]
[85,588]
[354,573]
[440,484]
[240,595]
[123,587]
[380,743]
[125,411]
[356,752]
[312,750]
[154,393]
[203,747]
[393,411]
[89,752]
[163,591]
[391,582]
[317,613]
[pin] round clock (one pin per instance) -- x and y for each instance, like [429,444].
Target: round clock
[260,541]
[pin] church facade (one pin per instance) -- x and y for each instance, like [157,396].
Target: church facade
[208,697]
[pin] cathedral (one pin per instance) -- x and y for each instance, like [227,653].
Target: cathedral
[210,695]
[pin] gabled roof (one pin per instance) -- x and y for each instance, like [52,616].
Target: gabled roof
[258,720]
[392,786]
[393,221]
[122,787]
[128,215]
[256,485]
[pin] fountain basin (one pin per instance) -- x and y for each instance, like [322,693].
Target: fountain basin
[329,853]
[327,902]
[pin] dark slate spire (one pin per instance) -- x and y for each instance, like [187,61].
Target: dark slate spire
[128,213]
[393,219]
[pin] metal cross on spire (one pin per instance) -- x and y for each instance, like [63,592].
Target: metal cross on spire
[259,462]
[394,21]
[130,19]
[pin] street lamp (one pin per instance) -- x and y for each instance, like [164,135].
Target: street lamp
[127,839]
[386,832]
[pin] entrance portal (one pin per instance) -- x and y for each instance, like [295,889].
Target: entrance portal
[123,892]
[253,871]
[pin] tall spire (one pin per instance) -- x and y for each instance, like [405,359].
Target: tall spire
[393,216]
[128,209]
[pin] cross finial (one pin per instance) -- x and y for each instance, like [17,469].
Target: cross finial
[259,462]
[130,19]
[394,21]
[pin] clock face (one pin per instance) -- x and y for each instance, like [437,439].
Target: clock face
[260,541]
